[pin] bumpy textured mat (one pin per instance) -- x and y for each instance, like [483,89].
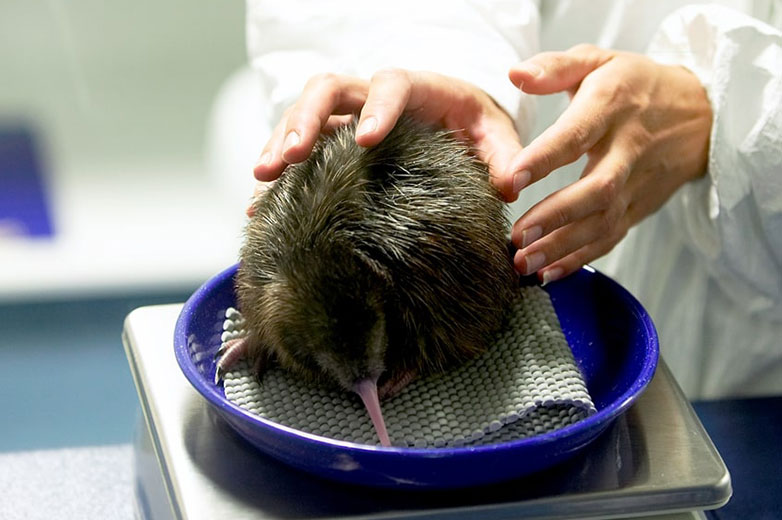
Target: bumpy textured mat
[528,383]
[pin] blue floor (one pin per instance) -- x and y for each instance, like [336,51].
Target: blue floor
[747,433]
[65,380]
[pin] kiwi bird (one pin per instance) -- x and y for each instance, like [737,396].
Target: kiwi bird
[368,267]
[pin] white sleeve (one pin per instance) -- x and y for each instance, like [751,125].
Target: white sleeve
[733,216]
[478,41]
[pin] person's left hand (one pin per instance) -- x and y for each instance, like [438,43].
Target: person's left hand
[330,100]
[645,128]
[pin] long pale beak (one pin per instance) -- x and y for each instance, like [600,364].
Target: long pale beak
[367,390]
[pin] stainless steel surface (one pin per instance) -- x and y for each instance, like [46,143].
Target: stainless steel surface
[656,459]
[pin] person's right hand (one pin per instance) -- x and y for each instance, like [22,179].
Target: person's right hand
[329,100]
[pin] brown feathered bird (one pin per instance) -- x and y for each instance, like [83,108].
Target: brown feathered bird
[375,264]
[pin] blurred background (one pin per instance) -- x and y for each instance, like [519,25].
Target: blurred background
[107,201]
[110,119]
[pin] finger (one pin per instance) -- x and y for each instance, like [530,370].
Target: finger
[323,95]
[568,239]
[550,72]
[270,164]
[389,93]
[497,146]
[431,97]
[574,261]
[580,127]
[603,189]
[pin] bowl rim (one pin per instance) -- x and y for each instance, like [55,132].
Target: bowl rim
[597,421]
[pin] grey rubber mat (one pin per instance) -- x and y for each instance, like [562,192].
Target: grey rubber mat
[526,384]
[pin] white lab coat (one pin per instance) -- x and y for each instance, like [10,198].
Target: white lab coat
[707,266]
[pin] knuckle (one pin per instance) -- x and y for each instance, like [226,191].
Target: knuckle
[554,61]
[615,212]
[550,157]
[608,222]
[562,145]
[617,94]
[381,103]
[546,160]
[560,217]
[324,80]
[577,139]
[299,120]
[326,86]
[620,205]
[606,189]
[605,244]
[582,48]
[391,74]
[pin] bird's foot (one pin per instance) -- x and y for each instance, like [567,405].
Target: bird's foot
[394,384]
[228,354]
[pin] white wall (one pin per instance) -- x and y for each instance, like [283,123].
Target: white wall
[120,95]
[110,81]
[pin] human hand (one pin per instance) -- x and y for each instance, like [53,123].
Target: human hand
[645,128]
[329,100]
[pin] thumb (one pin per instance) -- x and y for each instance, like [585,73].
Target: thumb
[550,72]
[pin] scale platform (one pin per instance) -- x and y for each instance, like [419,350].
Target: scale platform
[656,461]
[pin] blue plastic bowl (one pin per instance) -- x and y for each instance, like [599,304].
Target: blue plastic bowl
[612,337]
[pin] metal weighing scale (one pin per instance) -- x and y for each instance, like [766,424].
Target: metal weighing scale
[656,461]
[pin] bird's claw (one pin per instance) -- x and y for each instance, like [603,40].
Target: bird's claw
[396,383]
[229,353]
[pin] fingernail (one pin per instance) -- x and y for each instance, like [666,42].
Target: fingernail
[529,235]
[520,180]
[534,262]
[519,262]
[291,140]
[367,125]
[552,275]
[531,69]
[265,159]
